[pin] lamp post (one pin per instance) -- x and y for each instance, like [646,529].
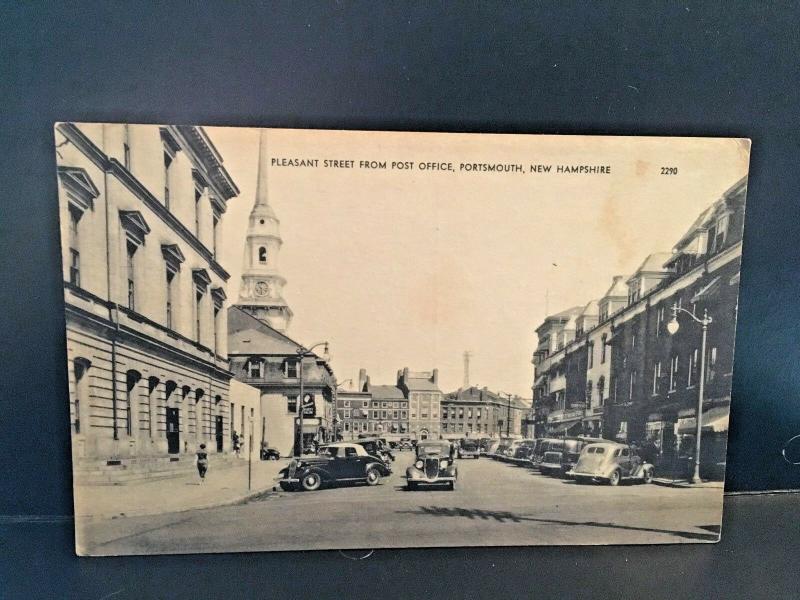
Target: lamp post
[672,328]
[299,443]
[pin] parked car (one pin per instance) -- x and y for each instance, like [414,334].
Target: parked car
[611,463]
[543,445]
[434,464]
[491,448]
[377,447]
[468,448]
[269,453]
[501,452]
[337,463]
[521,451]
[405,444]
[559,459]
[484,443]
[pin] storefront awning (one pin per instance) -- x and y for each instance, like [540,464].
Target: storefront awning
[564,427]
[714,419]
[708,291]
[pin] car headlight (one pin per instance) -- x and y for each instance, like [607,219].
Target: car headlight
[444,464]
[419,464]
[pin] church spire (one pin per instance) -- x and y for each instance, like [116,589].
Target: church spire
[261,290]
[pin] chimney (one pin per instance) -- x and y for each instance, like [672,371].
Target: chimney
[405,373]
[366,384]
[435,377]
[618,278]
[362,379]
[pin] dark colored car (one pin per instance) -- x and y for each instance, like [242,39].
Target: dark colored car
[541,447]
[522,451]
[337,463]
[434,464]
[376,447]
[268,453]
[468,448]
[559,459]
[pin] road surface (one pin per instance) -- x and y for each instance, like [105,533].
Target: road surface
[494,503]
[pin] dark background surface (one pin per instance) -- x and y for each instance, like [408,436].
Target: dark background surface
[631,68]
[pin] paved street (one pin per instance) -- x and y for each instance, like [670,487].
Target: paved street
[494,504]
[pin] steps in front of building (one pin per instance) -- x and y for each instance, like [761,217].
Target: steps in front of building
[129,470]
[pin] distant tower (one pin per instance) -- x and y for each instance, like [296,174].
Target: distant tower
[467,355]
[261,290]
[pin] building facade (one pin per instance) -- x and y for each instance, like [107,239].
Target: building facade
[478,412]
[140,209]
[267,359]
[640,382]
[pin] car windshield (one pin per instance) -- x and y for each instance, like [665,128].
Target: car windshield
[431,449]
[596,450]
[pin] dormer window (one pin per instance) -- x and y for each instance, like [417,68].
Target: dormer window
[255,368]
[290,369]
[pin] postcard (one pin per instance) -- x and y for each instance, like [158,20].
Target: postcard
[287,339]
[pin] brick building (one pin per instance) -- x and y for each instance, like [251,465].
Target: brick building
[478,412]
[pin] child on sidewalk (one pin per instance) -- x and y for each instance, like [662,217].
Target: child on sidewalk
[202,462]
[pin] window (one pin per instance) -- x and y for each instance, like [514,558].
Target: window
[167,165]
[262,255]
[126,147]
[711,364]
[347,403]
[198,312]
[384,404]
[590,351]
[469,413]
[691,377]
[365,404]
[478,414]
[461,413]
[347,414]
[601,388]
[170,295]
[589,389]
[132,378]
[374,414]
[395,414]
[198,194]
[291,404]
[74,245]
[254,368]
[673,373]
[632,384]
[80,366]
[656,377]
[403,414]
[290,367]
[214,235]
[659,320]
[131,270]
[383,414]
[633,341]
[603,348]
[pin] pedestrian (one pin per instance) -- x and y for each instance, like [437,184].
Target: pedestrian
[237,444]
[202,462]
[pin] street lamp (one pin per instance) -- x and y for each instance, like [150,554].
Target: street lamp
[299,443]
[672,328]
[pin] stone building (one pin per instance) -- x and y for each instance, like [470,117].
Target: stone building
[140,209]
[421,388]
[353,407]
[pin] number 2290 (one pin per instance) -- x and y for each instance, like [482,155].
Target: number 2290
[669,170]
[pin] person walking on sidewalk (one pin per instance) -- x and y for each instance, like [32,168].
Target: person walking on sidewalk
[202,462]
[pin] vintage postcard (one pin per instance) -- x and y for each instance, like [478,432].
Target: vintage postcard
[298,339]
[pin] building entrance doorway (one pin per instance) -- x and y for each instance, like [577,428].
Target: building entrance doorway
[218,432]
[173,430]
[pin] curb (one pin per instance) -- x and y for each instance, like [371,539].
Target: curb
[686,485]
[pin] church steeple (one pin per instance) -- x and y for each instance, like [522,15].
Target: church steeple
[261,290]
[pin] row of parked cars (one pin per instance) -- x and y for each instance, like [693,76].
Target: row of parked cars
[583,459]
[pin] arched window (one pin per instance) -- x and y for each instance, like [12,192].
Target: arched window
[169,387]
[262,254]
[152,404]
[80,367]
[132,377]
[601,387]
[198,409]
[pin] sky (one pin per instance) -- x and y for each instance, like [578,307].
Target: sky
[410,268]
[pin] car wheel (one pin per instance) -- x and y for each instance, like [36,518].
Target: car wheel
[648,476]
[373,476]
[411,485]
[311,482]
[286,486]
[615,478]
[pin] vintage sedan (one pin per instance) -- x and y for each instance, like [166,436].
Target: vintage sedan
[468,448]
[337,463]
[559,459]
[434,464]
[611,463]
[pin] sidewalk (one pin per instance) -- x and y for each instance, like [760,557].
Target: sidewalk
[684,483]
[185,492]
